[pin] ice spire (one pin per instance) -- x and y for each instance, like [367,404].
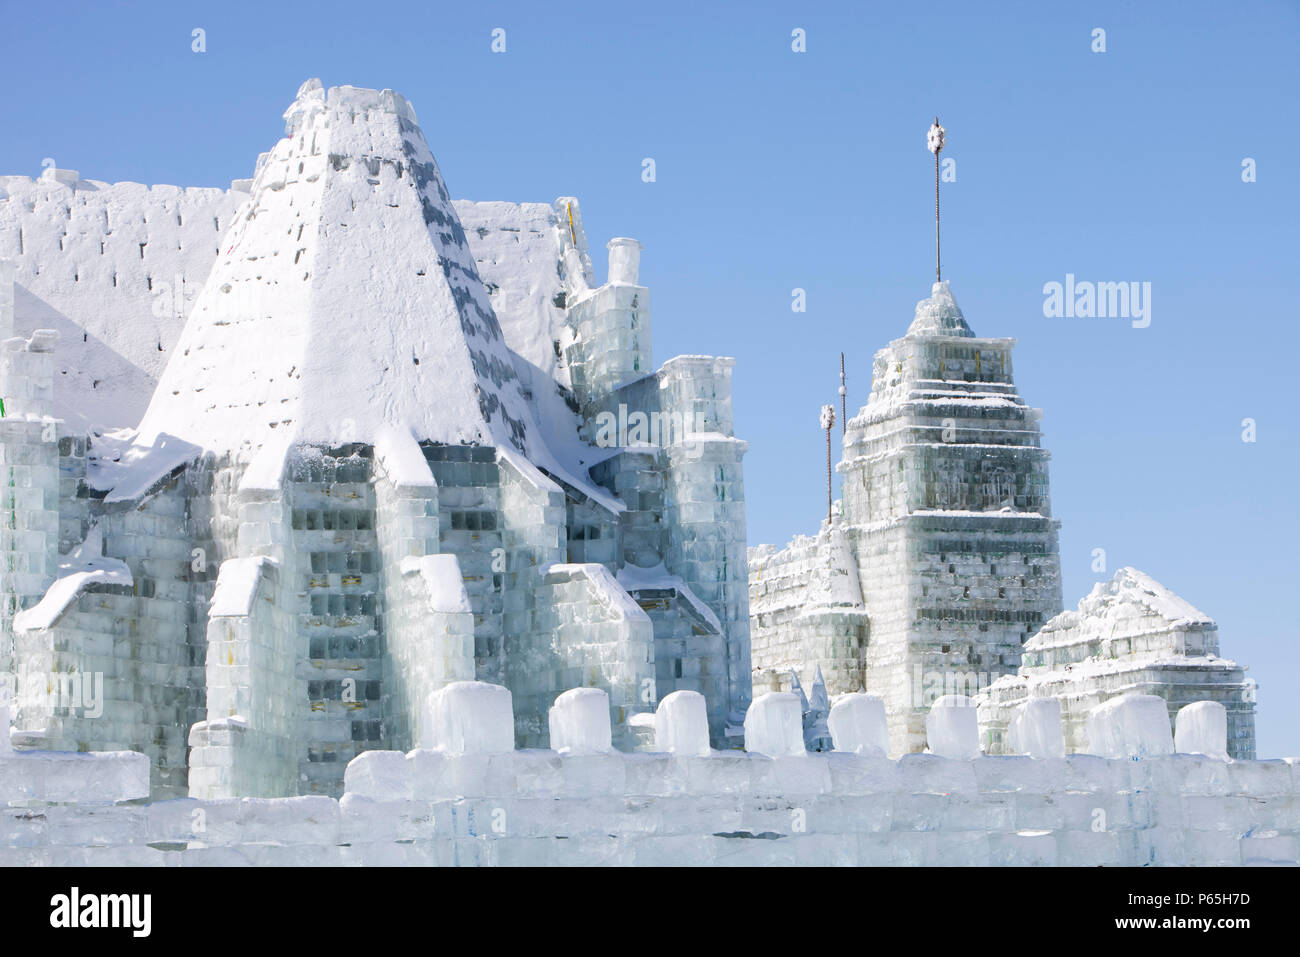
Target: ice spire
[816,731]
[797,688]
[820,699]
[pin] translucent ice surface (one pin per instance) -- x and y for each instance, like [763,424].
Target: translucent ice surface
[857,723]
[1134,725]
[470,717]
[1035,729]
[774,725]
[579,722]
[682,724]
[952,727]
[1202,728]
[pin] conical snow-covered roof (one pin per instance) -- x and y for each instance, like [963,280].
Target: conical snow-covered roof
[939,315]
[344,300]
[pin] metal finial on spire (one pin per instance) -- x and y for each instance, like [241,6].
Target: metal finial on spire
[828,423]
[934,142]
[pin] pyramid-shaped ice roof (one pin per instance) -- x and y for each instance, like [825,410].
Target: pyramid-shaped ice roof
[344,301]
[939,315]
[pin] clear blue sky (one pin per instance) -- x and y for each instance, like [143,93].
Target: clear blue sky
[778,170]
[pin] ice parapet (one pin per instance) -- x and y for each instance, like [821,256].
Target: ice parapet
[952,727]
[1134,725]
[5,746]
[774,725]
[858,724]
[579,722]
[682,724]
[1035,729]
[1202,728]
[470,717]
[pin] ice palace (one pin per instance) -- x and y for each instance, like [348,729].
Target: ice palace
[326,493]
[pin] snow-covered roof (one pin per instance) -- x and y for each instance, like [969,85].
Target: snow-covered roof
[338,294]
[85,565]
[1131,604]
[345,271]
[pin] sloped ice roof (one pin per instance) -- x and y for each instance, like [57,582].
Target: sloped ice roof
[939,315]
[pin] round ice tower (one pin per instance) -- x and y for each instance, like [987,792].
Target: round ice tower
[624,260]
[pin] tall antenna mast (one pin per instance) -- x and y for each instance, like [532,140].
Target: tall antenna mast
[844,417]
[934,140]
[828,423]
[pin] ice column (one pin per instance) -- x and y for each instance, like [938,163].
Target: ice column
[1035,729]
[858,723]
[624,260]
[1202,728]
[470,717]
[952,727]
[579,722]
[774,725]
[682,724]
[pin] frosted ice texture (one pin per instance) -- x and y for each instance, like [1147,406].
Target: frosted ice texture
[579,722]
[470,717]
[1135,725]
[1035,729]
[858,723]
[682,724]
[1202,728]
[774,725]
[952,727]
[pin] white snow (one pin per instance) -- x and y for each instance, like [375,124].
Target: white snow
[442,580]
[1202,728]
[607,589]
[1134,725]
[347,269]
[85,565]
[236,587]
[579,722]
[130,464]
[470,717]
[952,727]
[1131,603]
[634,577]
[858,724]
[115,268]
[401,459]
[774,725]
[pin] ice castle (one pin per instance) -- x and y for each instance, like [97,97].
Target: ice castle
[281,460]
[280,463]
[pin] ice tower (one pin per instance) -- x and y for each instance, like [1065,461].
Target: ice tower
[939,571]
[944,548]
[946,500]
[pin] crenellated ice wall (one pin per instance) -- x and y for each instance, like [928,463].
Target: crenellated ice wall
[471,802]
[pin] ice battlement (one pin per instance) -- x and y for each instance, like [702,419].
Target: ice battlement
[474,801]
